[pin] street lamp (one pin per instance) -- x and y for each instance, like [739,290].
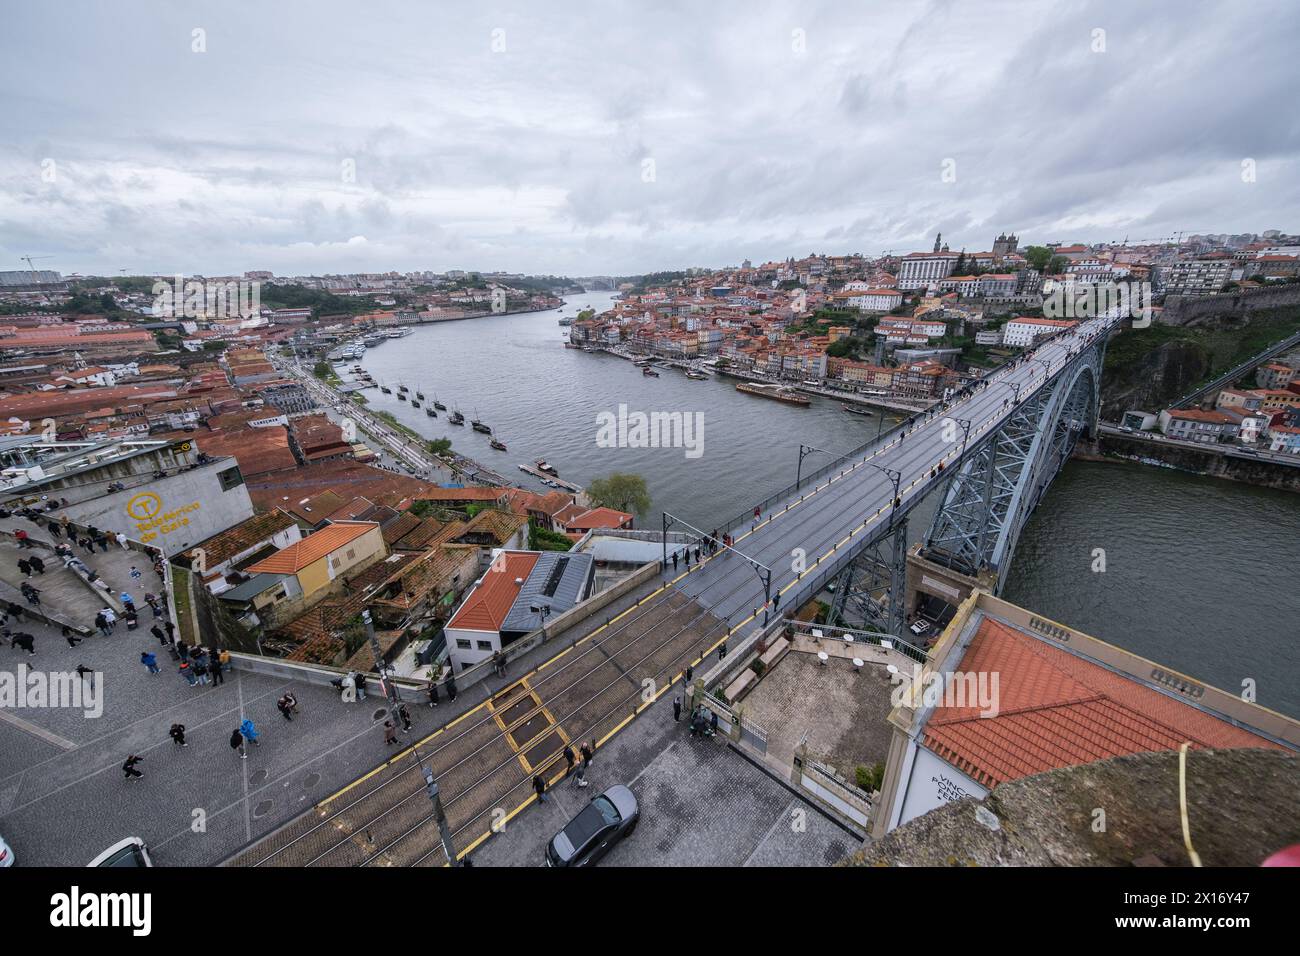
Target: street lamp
[894,476]
[431,785]
[804,452]
[965,424]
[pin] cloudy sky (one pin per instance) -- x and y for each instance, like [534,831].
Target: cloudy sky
[617,138]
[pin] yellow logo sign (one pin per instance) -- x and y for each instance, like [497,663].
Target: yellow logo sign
[144,506]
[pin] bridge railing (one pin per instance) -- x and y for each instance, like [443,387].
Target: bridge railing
[812,479]
[851,635]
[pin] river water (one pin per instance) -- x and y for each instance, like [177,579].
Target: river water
[1200,573]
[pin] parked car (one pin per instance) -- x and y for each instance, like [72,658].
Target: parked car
[919,627]
[6,853]
[586,838]
[131,852]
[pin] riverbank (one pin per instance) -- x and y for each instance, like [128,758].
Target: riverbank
[1228,462]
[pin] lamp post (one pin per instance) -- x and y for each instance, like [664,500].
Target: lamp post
[895,476]
[804,452]
[431,785]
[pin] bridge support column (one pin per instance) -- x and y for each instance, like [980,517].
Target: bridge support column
[871,591]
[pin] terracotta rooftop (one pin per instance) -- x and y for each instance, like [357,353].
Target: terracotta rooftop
[259,451]
[312,548]
[1056,709]
[346,478]
[243,536]
[488,604]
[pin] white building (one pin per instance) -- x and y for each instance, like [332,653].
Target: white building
[1021,332]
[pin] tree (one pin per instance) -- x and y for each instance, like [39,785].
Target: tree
[621,491]
[322,370]
[440,446]
[586,314]
[1038,257]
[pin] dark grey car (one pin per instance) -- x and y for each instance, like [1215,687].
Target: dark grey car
[593,832]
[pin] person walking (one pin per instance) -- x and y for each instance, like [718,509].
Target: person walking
[128,602]
[170,628]
[200,668]
[586,751]
[177,734]
[36,564]
[237,744]
[690,672]
[110,618]
[282,705]
[580,777]
[72,637]
[20,536]
[390,733]
[405,715]
[722,651]
[135,573]
[128,768]
[183,650]
[776,600]
[156,631]
[150,662]
[674,560]
[539,787]
[247,728]
[121,541]
[569,760]
[33,595]
[361,686]
[432,691]
[451,687]
[101,539]
[217,670]
[677,709]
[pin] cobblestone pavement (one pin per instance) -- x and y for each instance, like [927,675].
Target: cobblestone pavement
[702,804]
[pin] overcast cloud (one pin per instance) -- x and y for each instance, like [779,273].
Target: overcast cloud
[774,130]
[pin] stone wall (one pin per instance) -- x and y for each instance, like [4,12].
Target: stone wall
[1189,310]
[1214,461]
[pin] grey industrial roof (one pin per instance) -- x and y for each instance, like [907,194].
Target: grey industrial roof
[560,579]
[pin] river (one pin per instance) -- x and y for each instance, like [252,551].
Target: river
[1199,572]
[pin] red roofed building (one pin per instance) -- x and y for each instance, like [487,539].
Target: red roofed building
[1005,694]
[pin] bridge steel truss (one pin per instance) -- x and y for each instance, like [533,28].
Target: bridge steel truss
[990,497]
[994,486]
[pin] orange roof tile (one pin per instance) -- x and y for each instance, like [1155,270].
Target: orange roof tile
[488,604]
[312,548]
[1058,710]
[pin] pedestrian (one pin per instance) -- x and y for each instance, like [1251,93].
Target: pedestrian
[83,672]
[33,595]
[25,567]
[580,777]
[101,539]
[156,631]
[539,787]
[688,558]
[432,691]
[121,540]
[674,560]
[87,545]
[282,705]
[451,687]
[128,602]
[201,671]
[722,650]
[405,714]
[36,564]
[249,731]
[758,511]
[697,555]
[54,529]
[776,600]
[390,733]
[569,760]
[690,672]
[72,637]
[183,650]
[177,734]
[586,751]
[26,641]
[188,673]
[361,686]
[150,662]
[110,618]
[171,630]
[132,619]
[237,744]
[677,709]
[128,768]
[135,573]
[217,670]
[21,537]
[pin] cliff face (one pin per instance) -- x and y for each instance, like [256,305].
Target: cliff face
[1153,380]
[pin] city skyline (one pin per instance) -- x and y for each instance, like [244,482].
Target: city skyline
[788,130]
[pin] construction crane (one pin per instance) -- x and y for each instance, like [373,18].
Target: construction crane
[29,260]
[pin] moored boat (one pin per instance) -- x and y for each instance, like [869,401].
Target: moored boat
[774,391]
[456,418]
[854,409]
[498,445]
[543,466]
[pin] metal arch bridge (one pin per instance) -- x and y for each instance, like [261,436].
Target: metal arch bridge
[994,448]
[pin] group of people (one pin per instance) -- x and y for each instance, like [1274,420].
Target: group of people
[575,766]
